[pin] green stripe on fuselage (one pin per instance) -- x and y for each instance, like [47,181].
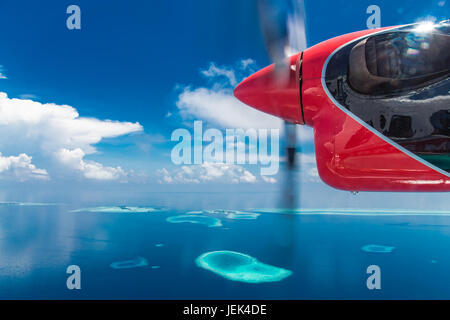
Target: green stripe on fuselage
[439,160]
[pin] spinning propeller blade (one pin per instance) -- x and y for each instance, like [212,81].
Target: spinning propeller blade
[283,27]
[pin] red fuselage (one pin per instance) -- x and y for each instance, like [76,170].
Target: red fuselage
[333,88]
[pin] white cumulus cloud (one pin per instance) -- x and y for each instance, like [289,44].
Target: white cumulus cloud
[89,169]
[58,133]
[207,172]
[217,105]
[20,167]
[213,72]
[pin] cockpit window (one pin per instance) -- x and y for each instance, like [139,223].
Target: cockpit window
[392,62]
[398,83]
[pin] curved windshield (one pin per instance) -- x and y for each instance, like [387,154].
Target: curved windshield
[399,60]
[398,83]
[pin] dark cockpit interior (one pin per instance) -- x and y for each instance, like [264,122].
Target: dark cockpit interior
[398,83]
[398,61]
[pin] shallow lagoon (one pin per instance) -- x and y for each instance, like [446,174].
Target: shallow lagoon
[324,252]
[237,266]
[195,219]
[375,248]
[119,209]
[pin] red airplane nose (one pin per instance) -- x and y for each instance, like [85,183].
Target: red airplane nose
[274,90]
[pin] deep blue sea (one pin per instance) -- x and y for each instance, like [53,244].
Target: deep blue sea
[138,252]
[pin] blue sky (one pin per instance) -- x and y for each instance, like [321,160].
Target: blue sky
[131,63]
